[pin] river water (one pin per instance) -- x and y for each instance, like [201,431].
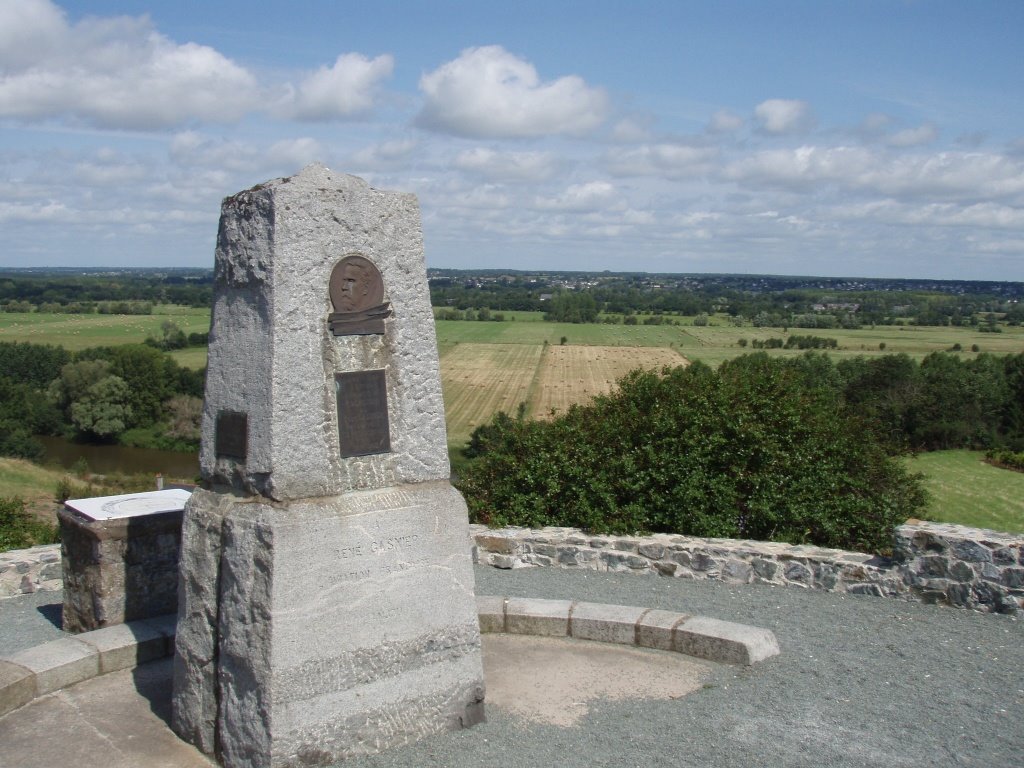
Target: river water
[104,459]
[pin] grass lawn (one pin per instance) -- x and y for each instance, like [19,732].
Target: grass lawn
[35,484]
[967,491]
[190,357]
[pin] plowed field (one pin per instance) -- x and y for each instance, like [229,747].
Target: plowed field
[575,374]
[481,379]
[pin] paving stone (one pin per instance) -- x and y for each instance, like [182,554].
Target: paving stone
[531,616]
[124,646]
[491,611]
[17,686]
[724,641]
[59,663]
[655,629]
[605,623]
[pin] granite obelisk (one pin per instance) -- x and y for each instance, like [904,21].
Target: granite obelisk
[326,603]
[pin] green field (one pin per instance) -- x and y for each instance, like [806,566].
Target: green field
[76,332]
[711,344]
[967,491]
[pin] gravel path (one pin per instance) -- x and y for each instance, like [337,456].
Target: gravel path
[861,681]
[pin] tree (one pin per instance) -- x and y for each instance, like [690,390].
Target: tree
[185,413]
[103,411]
[34,364]
[152,377]
[568,307]
[762,448]
[886,393]
[74,382]
[961,403]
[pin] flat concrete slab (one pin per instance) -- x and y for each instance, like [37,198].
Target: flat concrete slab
[115,721]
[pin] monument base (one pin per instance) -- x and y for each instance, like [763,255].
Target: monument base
[319,629]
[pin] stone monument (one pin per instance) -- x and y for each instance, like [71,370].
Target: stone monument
[326,604]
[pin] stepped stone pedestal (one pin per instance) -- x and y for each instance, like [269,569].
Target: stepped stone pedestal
[326,604]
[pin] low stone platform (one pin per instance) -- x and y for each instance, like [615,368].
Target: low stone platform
[61,663]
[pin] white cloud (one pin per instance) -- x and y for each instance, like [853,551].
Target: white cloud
[990,216]
[783,116]
[489,93]
[666,160]
[724,121]
[913,137]
[121,73]
[590,196]
[115,73]
[49,211]
[943,174]
[292,154]
[633,129]
[192,150]
[113,172]
[1002,246]
[799,166]
[507,166]
[348,88]
[28,28]
[487,197]
[385,154]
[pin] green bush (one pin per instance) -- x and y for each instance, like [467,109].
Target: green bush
[19,529]
[763,449]
[1007,459]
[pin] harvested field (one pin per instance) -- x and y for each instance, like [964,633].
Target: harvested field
[481,379]
[575,374]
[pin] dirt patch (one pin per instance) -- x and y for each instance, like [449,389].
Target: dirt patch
[555,680]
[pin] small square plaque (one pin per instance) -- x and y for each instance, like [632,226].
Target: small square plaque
[231,436]
[363,427]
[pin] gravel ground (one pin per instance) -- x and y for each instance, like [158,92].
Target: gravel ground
[29,620]
[861,681]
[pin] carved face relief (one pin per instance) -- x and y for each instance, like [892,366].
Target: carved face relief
[356,285]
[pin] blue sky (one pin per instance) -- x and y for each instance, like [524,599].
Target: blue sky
[863,138]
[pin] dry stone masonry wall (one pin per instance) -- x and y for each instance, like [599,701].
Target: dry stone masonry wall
[24,571]
[933,563]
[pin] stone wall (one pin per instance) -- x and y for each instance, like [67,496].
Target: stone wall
[23,571]
[934,563]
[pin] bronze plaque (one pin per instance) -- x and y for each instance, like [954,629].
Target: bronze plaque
[357,295]
[363,427]
[231,435]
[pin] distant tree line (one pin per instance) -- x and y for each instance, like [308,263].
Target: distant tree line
[131,393]
[772,302]
[124,292]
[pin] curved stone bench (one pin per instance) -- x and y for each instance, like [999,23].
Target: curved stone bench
[49,667]
[711,639]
